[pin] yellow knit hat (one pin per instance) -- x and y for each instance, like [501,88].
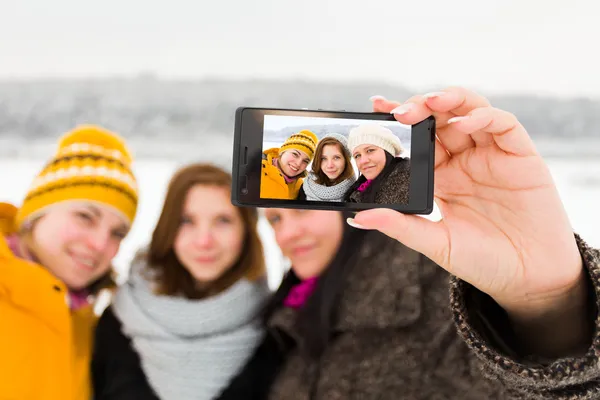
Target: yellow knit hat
[304,140]
[91,163]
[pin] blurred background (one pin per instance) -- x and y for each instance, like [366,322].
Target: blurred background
[168,76]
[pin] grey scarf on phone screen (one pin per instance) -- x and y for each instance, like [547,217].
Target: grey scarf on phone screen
[317,192]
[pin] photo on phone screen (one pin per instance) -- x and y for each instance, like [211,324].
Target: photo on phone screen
[333,160]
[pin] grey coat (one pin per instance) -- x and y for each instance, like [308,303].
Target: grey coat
[393,189]
[401,334]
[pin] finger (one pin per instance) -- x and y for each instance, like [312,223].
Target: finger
[446,104]
[420,234]
[380,104]
[488,124]
[416,111]
[442,155]
[413,111]
[456,100]
[410,112]
[383,105]
[455,141]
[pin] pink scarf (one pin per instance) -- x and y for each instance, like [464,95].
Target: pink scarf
[300,293]
[365,185]
[77,298]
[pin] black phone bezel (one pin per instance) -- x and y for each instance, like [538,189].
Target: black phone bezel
[247,156]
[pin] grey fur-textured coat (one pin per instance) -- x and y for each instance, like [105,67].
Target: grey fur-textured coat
[408,330]
[393,189]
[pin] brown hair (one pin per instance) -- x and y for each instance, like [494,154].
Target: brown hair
[170,276]
[323,179]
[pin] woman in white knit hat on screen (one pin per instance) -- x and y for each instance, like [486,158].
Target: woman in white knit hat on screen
[384,176]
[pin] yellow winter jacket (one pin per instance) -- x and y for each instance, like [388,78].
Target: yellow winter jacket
[272,182]
[45,349]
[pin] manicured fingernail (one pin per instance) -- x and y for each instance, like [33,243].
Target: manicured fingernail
[403,109]
[376,97]
[457,119]
[351,222]
[433,95]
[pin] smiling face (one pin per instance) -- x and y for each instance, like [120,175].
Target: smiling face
[370,160]
[293,162]
[77,241]
[333,163]
[309,238]
[210,237]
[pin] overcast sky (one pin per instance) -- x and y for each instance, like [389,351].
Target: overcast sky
[521,46]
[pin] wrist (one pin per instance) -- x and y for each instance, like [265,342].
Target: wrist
[556,326]
[538,308]
[572,294]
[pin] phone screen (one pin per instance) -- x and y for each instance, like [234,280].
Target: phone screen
[335,160]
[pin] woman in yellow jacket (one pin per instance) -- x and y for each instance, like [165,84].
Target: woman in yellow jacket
[284,168]
[55,255]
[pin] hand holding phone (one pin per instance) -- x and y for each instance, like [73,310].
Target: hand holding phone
[504,228]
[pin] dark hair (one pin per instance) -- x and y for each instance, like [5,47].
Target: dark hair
[171,277]
[322,178]
[315,321]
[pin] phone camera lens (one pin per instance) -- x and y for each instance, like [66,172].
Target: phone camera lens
[244,191]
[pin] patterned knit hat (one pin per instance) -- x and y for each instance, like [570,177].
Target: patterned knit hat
[376,135]
[304,140]
[91,164]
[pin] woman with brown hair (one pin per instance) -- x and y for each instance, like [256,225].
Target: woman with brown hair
[332,174]
[185,321]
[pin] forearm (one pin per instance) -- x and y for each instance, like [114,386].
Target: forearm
[524,363]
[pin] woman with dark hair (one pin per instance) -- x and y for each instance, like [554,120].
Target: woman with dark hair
[384,175]
[332,173]
[185,321]
[498,300]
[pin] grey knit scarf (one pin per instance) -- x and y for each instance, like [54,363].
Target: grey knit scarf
[317,192]
[190,349]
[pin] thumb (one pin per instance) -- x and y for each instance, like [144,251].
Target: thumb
[427,237]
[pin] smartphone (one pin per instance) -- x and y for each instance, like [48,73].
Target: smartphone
[332,160]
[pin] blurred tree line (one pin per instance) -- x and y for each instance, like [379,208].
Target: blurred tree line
[146,107]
